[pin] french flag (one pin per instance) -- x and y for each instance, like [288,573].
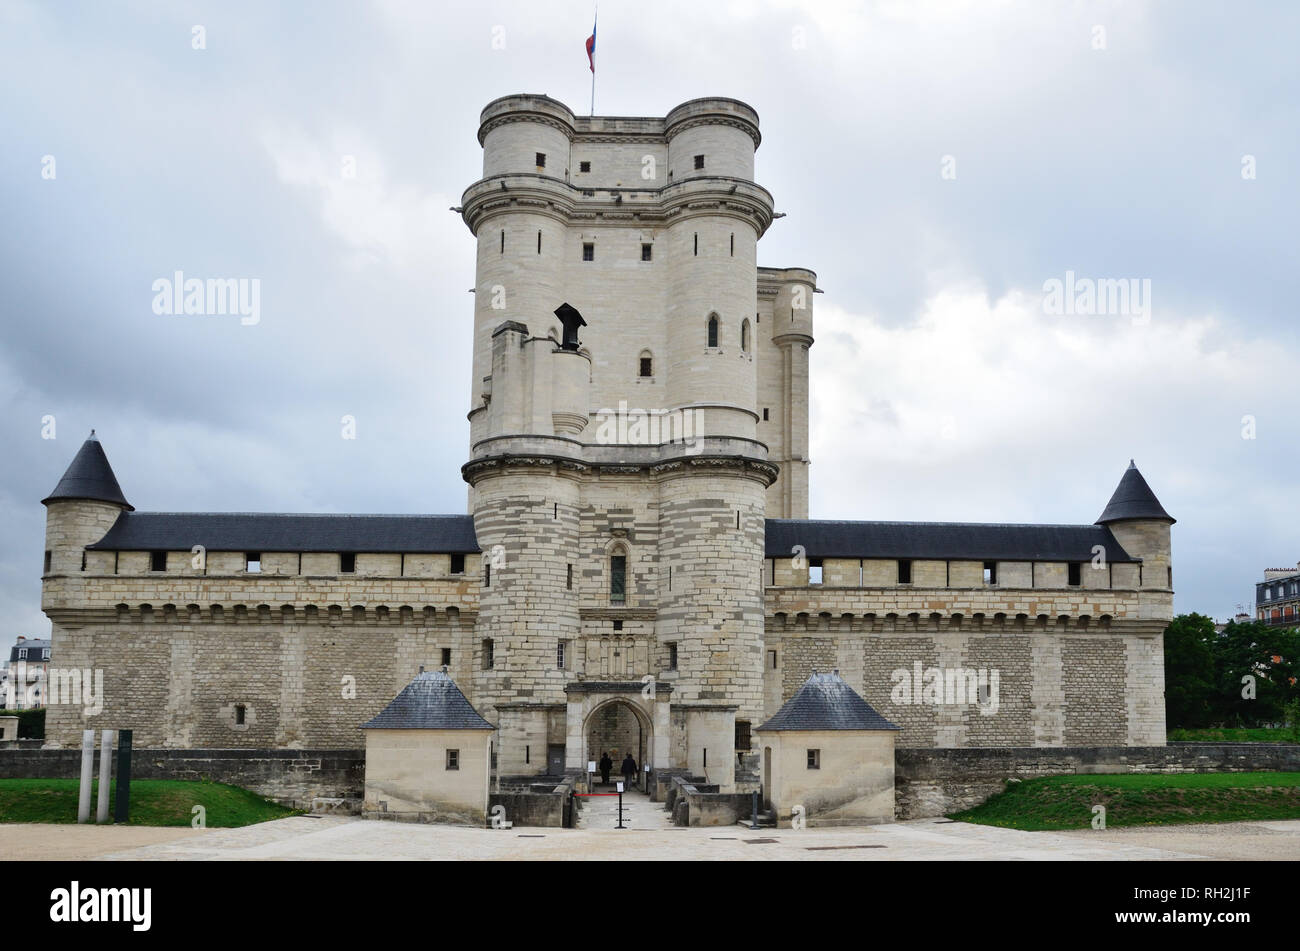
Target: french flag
[591,47]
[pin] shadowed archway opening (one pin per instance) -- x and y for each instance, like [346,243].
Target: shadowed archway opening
[618,727]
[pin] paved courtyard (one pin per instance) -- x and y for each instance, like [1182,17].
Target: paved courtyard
[330,838]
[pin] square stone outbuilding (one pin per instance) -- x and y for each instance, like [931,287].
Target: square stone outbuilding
[828,752]
[428,756]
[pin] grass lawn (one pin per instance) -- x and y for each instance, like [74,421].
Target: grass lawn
[154,802]
[1237,735]
[1140,799]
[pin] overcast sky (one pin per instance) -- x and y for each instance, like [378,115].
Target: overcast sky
[941,387]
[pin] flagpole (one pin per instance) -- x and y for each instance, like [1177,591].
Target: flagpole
[595,20]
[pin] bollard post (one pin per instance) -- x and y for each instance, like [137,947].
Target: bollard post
[87,771]
[753,815]
[105,774]
[122,808]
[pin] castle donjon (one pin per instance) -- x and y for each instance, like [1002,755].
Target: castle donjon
[637,571]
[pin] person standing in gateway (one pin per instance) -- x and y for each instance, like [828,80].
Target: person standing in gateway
[629,771]
[606,764]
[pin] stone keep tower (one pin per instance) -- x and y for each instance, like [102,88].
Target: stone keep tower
[639,406]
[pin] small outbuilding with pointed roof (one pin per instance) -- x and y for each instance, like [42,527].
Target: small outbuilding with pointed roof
[428,755]
[829,753]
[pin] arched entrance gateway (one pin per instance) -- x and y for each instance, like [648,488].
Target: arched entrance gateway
[618,718]
[618,727]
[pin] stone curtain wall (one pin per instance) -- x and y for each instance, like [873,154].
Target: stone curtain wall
[803,658]
[883,655]
[930,782]
[1094,688]
[1053,690]
[301,683]
[1012,725]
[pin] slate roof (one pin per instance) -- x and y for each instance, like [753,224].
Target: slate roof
[963,541]
[1133,498]
[32,643]
[431,701]
[826,702]
[89,477]
[266,531]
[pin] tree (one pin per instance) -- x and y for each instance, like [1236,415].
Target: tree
[1189,671]
[1245,676]
[1269,655]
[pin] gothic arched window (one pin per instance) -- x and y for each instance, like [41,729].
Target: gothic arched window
[744,335]
[713,330]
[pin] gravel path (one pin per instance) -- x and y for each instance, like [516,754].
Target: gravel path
[334,838]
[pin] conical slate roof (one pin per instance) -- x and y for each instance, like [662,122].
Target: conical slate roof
[1133,498]
[431,701]
[826,702]
[89,478]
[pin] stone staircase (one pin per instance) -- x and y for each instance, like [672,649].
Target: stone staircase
[601,812]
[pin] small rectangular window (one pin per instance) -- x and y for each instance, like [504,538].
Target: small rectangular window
[766,418]
[990,572]
[699,161]
[672,655]
[584,166]
[348,562]
[487,574]
[618,625]
[539,242]
[771,657]
[1075,574]
[647,252]
[253,562]
[22,653]
[815,571]
[541,160]
[814,759]
[241,714]
[647,366]
[457,564]
[559,654]
[47,563]
[157,561]
[697,243]
[489,654]
[503,240]
[446,657]
[742,735]
[904,571]
[588,251]
[45,654]
[568,579]
[453,759]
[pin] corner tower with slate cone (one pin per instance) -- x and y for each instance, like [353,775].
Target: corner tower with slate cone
[428,755]
[82,508]
[828,757]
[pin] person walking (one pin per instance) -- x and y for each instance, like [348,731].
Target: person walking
[606,764]
[629,771]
